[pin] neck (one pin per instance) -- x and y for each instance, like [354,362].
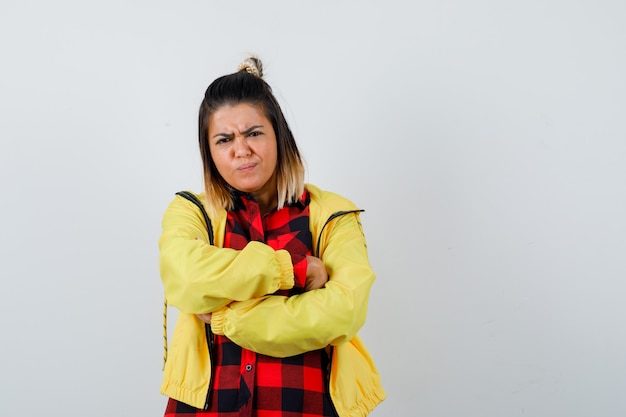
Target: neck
[266,204]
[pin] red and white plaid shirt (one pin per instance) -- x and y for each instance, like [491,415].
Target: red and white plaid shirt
[249,384]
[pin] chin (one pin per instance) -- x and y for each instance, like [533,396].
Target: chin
[249,189]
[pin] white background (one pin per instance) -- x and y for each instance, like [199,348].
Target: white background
[485,139]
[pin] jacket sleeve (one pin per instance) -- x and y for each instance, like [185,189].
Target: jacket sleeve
[285,326]
[200,278]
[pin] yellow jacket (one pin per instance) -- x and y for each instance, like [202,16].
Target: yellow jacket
[234,286]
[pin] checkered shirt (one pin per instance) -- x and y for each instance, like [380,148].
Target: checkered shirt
[248,384]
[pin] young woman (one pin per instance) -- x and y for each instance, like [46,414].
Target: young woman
[269,312]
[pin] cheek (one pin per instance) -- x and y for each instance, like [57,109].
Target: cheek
[272,153]
[219,161]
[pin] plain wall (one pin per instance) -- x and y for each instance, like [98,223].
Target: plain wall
[486,141]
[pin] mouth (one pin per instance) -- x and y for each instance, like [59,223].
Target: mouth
[246,167]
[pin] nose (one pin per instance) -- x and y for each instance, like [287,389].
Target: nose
[241,148]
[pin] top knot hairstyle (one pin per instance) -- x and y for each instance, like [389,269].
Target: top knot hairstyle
[246,86]
[252,65]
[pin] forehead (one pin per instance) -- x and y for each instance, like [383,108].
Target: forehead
[238,116]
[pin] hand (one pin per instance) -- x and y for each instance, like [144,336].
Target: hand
[205,317]
[316,274]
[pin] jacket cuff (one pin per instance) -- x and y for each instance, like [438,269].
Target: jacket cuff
[217,321]
[286,269]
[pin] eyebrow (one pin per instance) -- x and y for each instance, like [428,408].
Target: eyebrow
[245,132]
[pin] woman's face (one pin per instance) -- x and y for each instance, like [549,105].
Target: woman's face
[244,149]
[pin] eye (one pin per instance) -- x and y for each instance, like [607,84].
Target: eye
[255,133]
[222,141]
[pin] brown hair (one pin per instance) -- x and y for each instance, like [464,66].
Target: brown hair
[247,86]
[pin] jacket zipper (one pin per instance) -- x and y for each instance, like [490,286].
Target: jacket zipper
[209,334]
[317,251]
[331,218]
[209,339]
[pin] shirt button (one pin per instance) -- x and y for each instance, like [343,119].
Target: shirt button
[248,367]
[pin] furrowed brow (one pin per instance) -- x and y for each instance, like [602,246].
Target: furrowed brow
[251,129]
[223,135]
[231,135]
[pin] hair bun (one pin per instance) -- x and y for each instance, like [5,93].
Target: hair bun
[252,65]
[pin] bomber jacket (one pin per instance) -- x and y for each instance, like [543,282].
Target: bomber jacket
[236,285]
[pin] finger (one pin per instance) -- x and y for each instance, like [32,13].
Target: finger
[205,317]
